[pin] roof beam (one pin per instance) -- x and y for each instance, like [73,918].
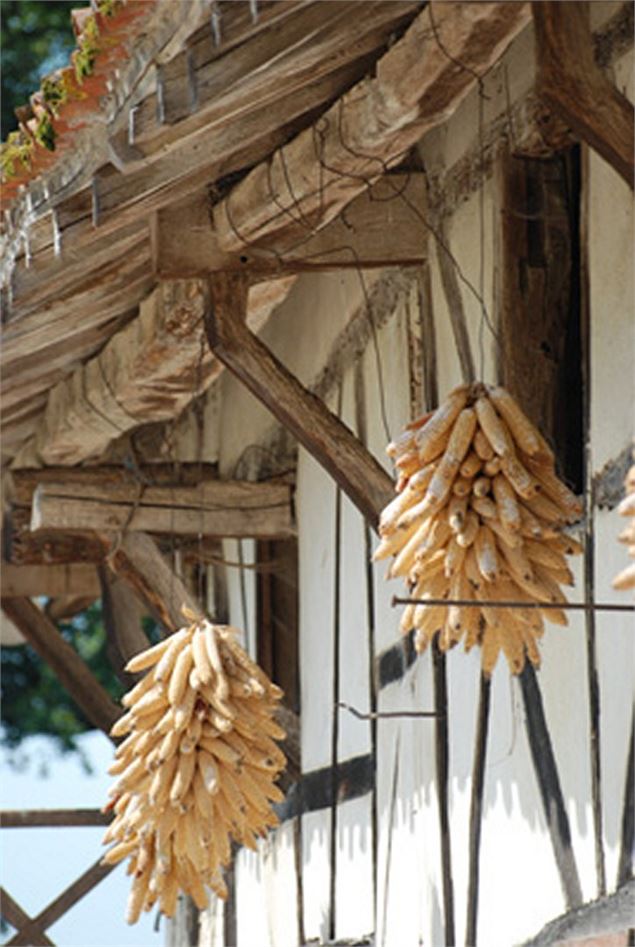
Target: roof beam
[384,226]
[214,508]
[417,85]
[148,372]
[572,83]
[51,580]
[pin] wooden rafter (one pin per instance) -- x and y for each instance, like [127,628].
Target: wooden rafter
[330,441]
[149,371]
[571,82]
[417,84]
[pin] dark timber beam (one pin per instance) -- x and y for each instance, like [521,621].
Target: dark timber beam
[66,664]
[330,441]
[575,87]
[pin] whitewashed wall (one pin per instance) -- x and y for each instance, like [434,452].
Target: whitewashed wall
[381,876]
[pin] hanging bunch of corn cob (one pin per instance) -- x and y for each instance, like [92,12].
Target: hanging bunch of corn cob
[479,515]
[626,578]
[197,767]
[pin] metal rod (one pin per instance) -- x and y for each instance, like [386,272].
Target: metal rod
[477,603]
[378,715]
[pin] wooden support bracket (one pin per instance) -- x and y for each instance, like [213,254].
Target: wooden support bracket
[571,82]
[327,438]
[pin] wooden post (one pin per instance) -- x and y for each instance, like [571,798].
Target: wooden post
[63,660]
[575,87]
[330,441]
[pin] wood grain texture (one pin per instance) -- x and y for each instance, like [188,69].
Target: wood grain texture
[54,580]
[213,508]
[383,226]
[137,560]
[301,412]
[63,660]
[571,82]
[416,86]
[149,371]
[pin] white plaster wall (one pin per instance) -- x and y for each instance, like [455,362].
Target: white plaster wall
[520,888]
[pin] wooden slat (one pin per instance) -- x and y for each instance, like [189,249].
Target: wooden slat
[378,231]
[579,92]
[417,85]
[29,581]
[215,508]
[290,44]
[63,660]
[39,818]
[301,412]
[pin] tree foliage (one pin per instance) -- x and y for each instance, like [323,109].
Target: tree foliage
[33,700]
[36,37]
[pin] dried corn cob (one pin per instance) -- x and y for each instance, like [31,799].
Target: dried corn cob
[626,578]
[197,767]
[480,514]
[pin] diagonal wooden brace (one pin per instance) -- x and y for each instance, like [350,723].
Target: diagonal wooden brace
[66,664]
[571,82]
[327,438]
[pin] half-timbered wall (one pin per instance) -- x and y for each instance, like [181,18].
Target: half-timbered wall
[361,855]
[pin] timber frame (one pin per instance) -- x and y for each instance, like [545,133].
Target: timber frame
[200,205]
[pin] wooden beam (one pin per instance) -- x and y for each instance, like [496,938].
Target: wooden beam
[122,613]
[576,88]
[44,818]
[215,508]
[61,904]
[18,917]
[66,607]
[379,230]
[149,371]
[416,86]
[137,560]
[64,661]
[301,412]
[28,581]
[46,547]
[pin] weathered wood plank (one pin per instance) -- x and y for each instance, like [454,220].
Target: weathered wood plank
[378,231]
[46,547]
[29,581]
[303,42]
[417,85]
[214,508]
[305,415]
[579,92]
[64,661]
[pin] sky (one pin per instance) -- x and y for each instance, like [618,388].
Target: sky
[36,865]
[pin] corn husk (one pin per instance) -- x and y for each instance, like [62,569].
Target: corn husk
[480,514]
